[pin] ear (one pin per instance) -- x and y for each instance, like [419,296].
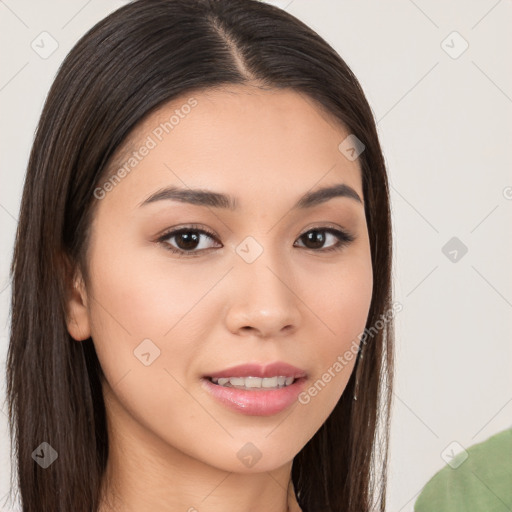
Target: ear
[77,319]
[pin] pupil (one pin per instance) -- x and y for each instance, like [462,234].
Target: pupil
[191,240]
[316,237]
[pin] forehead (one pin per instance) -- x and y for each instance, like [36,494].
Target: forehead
[241,140]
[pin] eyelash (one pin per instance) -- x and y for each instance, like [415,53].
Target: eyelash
[344,238]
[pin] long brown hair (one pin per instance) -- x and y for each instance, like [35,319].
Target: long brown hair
[129,64]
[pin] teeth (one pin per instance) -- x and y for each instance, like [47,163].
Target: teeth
[254,382]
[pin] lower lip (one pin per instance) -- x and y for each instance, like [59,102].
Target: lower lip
[259,402]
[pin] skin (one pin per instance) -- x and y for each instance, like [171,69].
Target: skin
[173,447]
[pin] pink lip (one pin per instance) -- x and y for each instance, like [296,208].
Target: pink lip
[256,370]
[257,402]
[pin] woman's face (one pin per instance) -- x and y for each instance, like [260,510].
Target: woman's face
[264,287]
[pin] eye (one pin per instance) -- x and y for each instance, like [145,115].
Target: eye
[188,240]
[317,237]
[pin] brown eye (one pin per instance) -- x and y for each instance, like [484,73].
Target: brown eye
[315,239]
[187,240]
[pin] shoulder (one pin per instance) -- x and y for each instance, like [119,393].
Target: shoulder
[478,479]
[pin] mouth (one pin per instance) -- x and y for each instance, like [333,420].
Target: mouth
[256,390]
[254,383]
[253,371]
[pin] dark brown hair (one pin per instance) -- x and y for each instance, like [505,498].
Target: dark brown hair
[138,58]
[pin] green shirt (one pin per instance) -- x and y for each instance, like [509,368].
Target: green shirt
[481,483]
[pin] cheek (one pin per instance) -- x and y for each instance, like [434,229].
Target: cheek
[352,303]
[340,299]
[136,299]
[149,323]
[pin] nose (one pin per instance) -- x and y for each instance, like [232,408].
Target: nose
[262,301]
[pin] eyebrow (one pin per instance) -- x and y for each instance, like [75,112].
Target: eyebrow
[202,197]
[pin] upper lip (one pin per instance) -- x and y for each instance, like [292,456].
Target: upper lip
[260,370]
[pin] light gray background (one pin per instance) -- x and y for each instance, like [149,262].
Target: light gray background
[445,124]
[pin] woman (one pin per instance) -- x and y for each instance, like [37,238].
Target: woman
[202,315]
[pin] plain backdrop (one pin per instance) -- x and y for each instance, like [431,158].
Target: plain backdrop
[436,77]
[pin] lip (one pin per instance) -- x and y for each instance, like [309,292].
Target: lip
[257,402]
[257,370]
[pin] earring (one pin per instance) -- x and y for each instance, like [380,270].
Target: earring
[359,357]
